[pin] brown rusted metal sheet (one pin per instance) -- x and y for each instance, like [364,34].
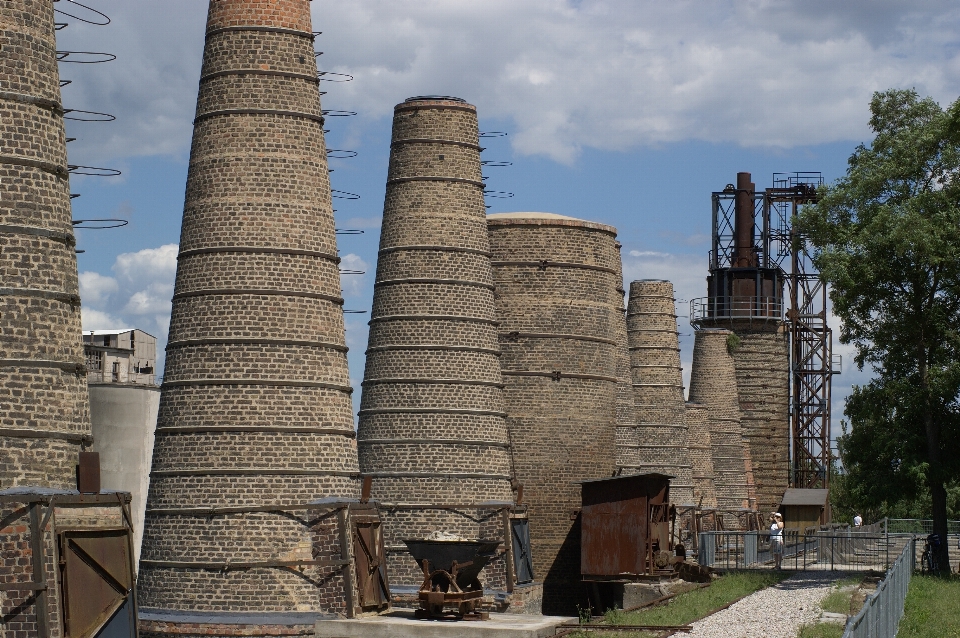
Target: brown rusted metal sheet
[88,473]
[96,576]
[617,530]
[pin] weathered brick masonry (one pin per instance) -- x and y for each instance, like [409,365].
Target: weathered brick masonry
[762,361]
[431,431]
[255,412]
[44,409]
[713,384]
[627,441]
[701,455]
[558,303]
[658,386]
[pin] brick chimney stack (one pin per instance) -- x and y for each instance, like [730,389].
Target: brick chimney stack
[658,385]
[255,413]
[44,409]
[713,384]
[431,430]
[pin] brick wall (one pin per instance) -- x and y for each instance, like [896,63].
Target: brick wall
[255,410]
[701,455]
[559,306]
[658,386]
[713,384]
[431,430]
[44,410]
[627,441]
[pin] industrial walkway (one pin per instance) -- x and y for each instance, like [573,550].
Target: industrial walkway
[776,611]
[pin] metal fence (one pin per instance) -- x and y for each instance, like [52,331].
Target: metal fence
[882,611]
[917,526]
[846,551]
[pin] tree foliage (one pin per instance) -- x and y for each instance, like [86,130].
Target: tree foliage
[887,240]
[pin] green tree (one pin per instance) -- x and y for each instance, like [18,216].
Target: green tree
[886,238]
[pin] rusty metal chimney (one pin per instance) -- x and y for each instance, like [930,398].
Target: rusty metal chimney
[744,254]
[255,412]
[44,409]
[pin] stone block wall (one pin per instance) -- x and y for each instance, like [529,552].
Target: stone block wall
[255,411]
[557,282]
[44,411]
[431,432]
[713,384]
[662,436]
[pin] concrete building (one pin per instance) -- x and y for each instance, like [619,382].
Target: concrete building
[254,469]
[431,431]
[713,384]
[120,356]
[658,386]
[124,402]
[44,412]
[559,303]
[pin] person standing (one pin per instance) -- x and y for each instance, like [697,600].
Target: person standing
[776,538]
[857,521]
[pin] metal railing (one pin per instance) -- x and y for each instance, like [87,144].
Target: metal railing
[754,307]
[917,526]
[882,611]
[846,551]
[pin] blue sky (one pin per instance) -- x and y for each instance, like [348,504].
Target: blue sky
[621,111]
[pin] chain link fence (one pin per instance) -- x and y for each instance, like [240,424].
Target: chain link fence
[882,611]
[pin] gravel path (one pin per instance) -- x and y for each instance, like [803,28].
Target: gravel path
[776,611]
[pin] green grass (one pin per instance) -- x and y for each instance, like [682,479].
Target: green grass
[838,601]
[696,604]
[932,608]
[822,630]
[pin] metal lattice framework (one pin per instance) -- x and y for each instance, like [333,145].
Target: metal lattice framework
[811,340]
[778,246]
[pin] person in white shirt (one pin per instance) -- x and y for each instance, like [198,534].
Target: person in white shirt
[776,538]
[857,521]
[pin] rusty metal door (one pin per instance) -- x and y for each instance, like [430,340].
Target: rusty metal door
[523,563]
[97,583]
[371,567]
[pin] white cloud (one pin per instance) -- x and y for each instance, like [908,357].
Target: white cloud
[147,265]
[139,296]
[154,299]
[607,74]
[93,319]
[95,289]
[352,284]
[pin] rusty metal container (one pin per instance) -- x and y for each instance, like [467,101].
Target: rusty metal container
[625,526]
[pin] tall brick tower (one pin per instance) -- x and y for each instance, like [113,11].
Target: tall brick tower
[255,413]
[701,455]
[431,432]
[627,442]
[559,306]
[658,385]
[44,410]
[713,384]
